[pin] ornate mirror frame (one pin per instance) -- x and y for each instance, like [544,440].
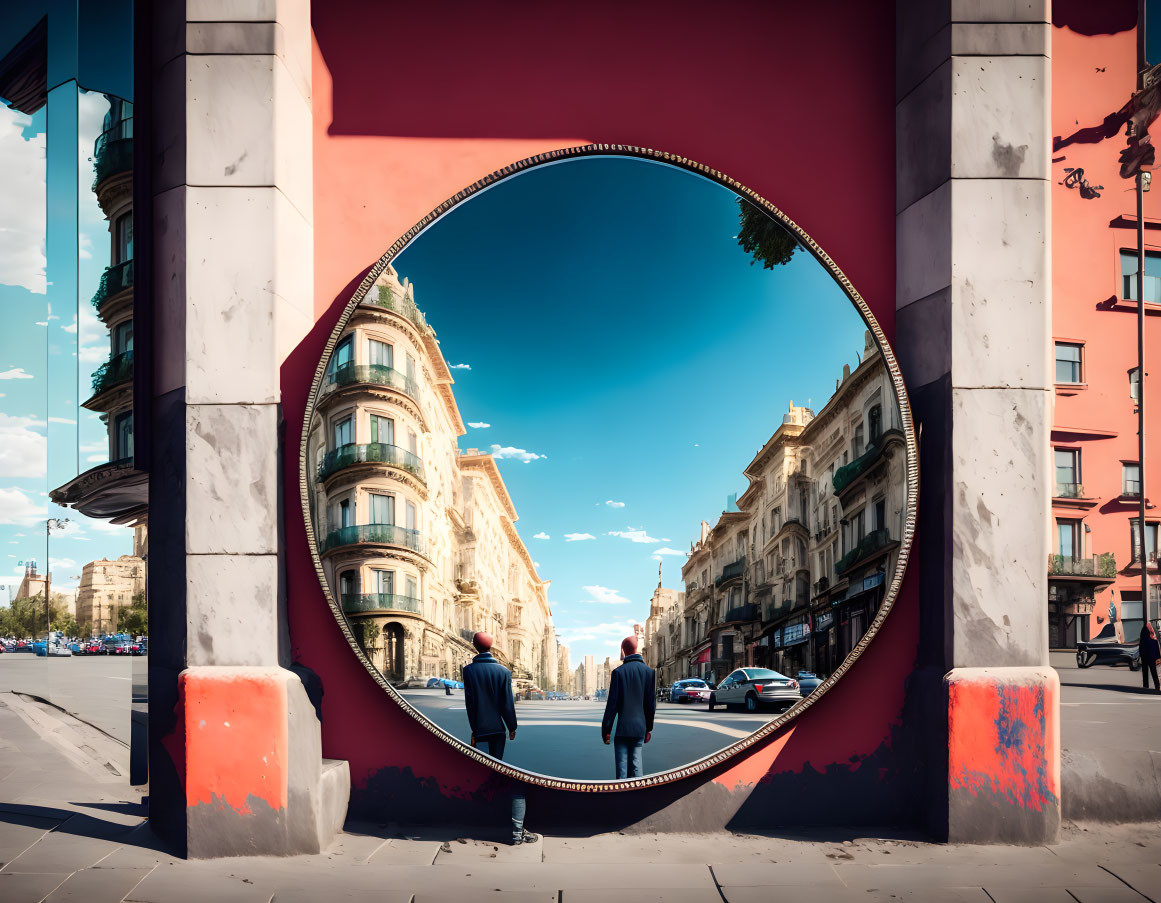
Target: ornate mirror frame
[910,446]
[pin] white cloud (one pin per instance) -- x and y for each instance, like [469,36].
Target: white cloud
[608,630]
[17,508]
[23,451]
[40,323]
[613,504]
[659,553]
[62,563]
[96,459]
[541,535]
[536,564]
[98,446]
[479,425]
[460,367]
[62,420]
[507,451]
[103,526]
[15,372]
[84,246]
[578,537]
[636,536]
[602,595]
[72,327]
[93,354]
[22,213]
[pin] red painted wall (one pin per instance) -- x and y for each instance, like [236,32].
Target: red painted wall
[1094,57]
[794,100]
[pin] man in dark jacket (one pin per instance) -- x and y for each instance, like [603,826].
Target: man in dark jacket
[1150,653]
[632,703]
[491,715]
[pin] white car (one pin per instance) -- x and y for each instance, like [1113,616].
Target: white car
[756,687]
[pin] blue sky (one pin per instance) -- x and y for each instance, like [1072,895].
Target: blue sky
[51,341]
[625,360]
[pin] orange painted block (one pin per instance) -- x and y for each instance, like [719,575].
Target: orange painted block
[1004,734]
[236,736]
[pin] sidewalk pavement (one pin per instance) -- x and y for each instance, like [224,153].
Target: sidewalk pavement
[72,829]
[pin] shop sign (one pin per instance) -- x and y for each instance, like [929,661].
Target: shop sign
[793,634]
[823,621]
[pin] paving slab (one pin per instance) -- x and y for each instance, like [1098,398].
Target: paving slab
[29,887]
[95,885]
[1031,894]
[178,884]
[457,852]
[57,851]
[472,896]
[398,851]
[1106,895]
[672,895]
[19,832]
[1145,878]
[346,895]
[1008,877]
[857,895]
[775,874]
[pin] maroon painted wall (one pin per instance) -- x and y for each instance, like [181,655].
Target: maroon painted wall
[796,101]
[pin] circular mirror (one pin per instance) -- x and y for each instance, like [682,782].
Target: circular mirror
[608,400]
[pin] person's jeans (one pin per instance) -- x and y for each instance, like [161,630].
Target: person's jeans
[628,752]
[495,743]
[1149,669]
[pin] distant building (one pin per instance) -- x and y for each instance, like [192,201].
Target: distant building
[107,586]
[590,676]
[32,584]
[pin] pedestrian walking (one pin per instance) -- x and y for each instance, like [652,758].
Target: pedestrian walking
[492,718]
[632,703]
[1150,656]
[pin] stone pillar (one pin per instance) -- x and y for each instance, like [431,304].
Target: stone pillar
[235,757]
[973,335]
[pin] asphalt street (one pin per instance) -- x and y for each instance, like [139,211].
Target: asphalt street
[563,738]
[97,689]
[1104,707]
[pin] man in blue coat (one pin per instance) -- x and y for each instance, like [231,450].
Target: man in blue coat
[632,703]
[491,715]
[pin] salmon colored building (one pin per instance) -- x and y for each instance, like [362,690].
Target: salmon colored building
[1095,569]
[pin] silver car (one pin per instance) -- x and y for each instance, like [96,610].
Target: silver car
[754,688]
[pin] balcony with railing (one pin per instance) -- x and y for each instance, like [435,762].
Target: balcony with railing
[1152,288]
[1096,567]
[118,369]
[361,602]
[732,571]
[1130,489]
[821,585]
[114,280]
[371,375]
[386,297]
[848,473]
[873,542]
[1069,491]
[743,613]
[113,151]
[377,534]
[372,453]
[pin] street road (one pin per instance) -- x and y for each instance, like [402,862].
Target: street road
[563,739]
[1104,707]
[94,688]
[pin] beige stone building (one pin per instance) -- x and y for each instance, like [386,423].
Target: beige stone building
[417,538]
[663,633]
[107,586]
[792,578]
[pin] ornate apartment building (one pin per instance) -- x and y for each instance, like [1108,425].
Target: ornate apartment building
[792,577]
[417,538]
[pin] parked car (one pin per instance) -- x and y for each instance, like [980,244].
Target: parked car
[1104,649]
[691,689]
[808,682]
[441,682]
[117,645]
[412,683]
[755,687]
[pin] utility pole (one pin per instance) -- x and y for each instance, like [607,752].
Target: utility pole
[58,523]
[1142,68]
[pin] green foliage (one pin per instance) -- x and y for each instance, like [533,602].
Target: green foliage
[763,238]
[27,617]
[366,635]
[134,619]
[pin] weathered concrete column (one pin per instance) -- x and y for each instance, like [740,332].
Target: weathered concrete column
[235,755]
[973,337]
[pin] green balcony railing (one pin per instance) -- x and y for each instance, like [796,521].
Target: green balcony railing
[748,612]
[117,369]
[356,602]
[848,473]
[868,545]
[730,571]
[372,453]
[1097,566]
[386,534]
[389,299]
[371,374]
[114,280]
[113,151]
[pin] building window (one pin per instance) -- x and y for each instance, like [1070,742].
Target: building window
[1068,533]
[1150,539]
[1067,473]
[123,337]
[123,436]
[1131,479]
[857,442]
[875,422]
[344,354]
[1135,384]
[345,513]
[1068,362]
[860,525]
[410,367]
[382,429]
[343,432]
[412,516]
[1152,276]
[741,546]
[379,354]
[382,582]
[413,443]
[881,514]
[412,588]
[349,583]
[381,508]
[123,238]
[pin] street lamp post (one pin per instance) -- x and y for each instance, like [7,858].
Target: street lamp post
[57,523]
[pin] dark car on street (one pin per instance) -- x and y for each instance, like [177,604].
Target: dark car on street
[692,689]
[808,681]
[1104,649]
